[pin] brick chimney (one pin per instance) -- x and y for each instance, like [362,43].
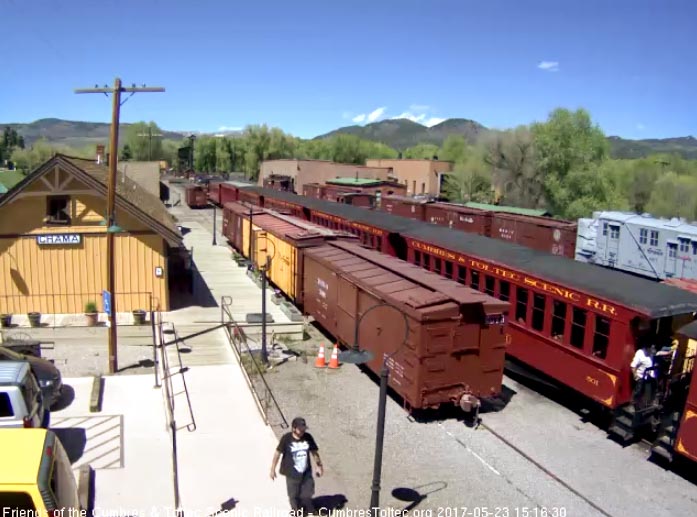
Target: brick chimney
[100,153]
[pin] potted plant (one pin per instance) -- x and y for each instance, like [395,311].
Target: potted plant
[138,317]
[34,319]
[5,320]
[91,313]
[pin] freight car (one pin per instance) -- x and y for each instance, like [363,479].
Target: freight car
[196,196]
[456,343]
[577,323]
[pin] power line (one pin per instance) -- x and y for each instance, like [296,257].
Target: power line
[117,90]
[150,136]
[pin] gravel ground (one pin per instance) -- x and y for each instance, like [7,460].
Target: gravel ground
[554,459]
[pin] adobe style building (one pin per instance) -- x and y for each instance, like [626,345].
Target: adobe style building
[53,241]
[295,174]
[420,176]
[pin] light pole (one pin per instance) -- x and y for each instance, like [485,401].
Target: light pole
[215,242]
[264,269]
[358,356]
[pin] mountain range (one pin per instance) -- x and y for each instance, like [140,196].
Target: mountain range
[398,134]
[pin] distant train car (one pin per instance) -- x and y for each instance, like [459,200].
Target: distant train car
[458,217]
[403,206]
[196,196]
[640,244]
[554,236]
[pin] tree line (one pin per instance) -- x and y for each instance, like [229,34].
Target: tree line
[561,164]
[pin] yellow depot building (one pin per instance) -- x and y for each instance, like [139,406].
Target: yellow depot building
[53,242]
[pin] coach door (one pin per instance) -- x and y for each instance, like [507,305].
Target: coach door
[671,255]
[612,243]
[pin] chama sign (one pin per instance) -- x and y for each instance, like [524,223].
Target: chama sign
[58,239]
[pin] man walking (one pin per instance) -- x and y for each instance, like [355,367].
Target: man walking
[296,448]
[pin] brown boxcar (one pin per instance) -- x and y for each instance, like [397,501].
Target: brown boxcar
[314,190]
[553,236]
[458,217]
[213,193]
[361,199]
[248,196]
[228,193]
[455,349]
[404,206]
[196,196]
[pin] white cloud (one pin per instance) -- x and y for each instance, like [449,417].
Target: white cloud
[376,114]
[410,116]
[549,66]
[359,118]
[434,121]
[229,128]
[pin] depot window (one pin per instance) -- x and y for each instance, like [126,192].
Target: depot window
[504,290]
[489,283]
[57,210]
[448,269]
[538,312]
[474,284]
[601,337]
[521,305]
[462,274]
[558,319]
[578,327]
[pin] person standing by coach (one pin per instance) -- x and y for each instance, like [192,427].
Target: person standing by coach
[296,448]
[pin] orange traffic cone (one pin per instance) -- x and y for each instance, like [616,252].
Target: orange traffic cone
[334,361]
[320,361]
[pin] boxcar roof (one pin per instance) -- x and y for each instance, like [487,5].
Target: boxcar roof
[377,219]
[643,295]
[689,330]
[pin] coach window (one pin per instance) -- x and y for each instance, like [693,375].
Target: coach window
[378,242]
[462,274]
[558,319]
[643,236]
[654,237]
[604,229]
[694,248]
[436,265]
[474,284]
[538,312]
[601,337]
[521,305]
[684,245]
[614,231]
[427,261]
[417,258]
[504,290]
[448,268]
[489,283]
[578,327]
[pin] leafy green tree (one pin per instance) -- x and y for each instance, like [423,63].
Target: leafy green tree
[27,160]
[422,152]
[516,176]
[469,181]
[567,142]
[126,153]
[223,158]
[455,149]
[143,146]
[674,196]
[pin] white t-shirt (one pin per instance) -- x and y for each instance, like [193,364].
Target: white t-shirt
[641,362]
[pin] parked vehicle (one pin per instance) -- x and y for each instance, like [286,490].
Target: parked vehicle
[46,373]
[21,401]
[36,477]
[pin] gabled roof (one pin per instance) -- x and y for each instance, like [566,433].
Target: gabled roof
[130,196]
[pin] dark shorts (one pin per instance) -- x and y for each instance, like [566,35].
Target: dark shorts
[300,492]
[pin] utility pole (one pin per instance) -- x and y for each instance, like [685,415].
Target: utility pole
[111,198]
[150,137]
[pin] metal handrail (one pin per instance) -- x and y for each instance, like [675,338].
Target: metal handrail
[237,338]
[192,426]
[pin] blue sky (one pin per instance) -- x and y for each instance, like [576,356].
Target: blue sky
[310,66]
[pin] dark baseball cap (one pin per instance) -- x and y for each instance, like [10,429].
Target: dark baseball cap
[298,422]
